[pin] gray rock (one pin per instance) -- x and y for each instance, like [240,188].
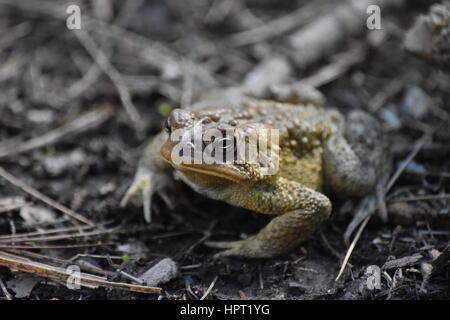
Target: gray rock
[57,164]
[416,102]
[162,272]
[36,215]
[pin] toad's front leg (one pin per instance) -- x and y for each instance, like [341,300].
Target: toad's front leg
[299,214]
[151,176]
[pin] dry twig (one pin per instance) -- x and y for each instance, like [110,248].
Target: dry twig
[101,59]
[422,198]
[211,286]
[278,26]
[340,64]
[58,237]
[68,246]
[85,122]
[418,146]
[391,182]
[57,273]
[4,290]
[321,37]
[44,232]
[33,192]
[352,246]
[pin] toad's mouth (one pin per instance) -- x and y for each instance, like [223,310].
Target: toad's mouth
[231,171]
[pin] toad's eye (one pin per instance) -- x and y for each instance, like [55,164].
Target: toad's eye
[166,126]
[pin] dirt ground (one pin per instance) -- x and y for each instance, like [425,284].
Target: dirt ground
[77,111]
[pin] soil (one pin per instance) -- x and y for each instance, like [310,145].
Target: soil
[90,170]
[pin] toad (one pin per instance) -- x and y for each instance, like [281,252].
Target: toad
[319,152]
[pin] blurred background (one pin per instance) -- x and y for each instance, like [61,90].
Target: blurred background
[78,106]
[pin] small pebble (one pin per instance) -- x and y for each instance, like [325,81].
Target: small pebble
[36,215]
[415,102]
[41,116]
[162,272]
[391,119]
[57,164]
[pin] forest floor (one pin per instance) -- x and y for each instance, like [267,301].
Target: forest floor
[77,112]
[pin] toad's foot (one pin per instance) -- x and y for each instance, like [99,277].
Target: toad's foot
[246,248]
[151,176]
[142,183]
[281,235]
